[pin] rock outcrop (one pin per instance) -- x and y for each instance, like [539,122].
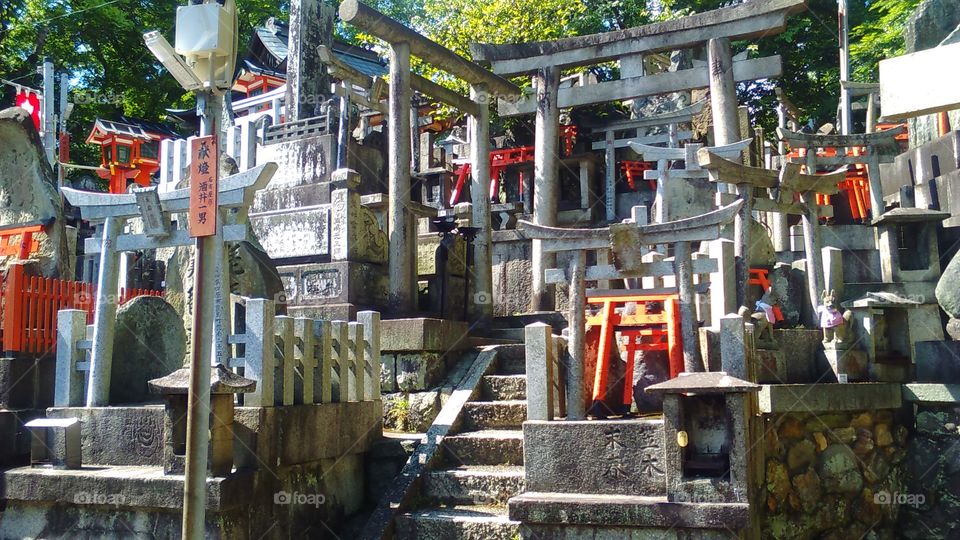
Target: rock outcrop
[28,193]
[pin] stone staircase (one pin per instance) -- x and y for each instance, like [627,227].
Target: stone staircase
[481,467]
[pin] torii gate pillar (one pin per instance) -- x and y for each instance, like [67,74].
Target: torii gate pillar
[546,191]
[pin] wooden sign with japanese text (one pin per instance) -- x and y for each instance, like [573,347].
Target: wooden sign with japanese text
[203,186]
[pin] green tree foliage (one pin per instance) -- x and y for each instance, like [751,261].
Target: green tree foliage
[879,36]
[99,43]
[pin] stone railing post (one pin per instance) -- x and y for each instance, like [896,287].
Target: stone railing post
[539,353]
[340,351]
[259,344]
[324,356]
[371,342]
[733,346]
[71,328]
[305,351]
[357,360]
[285,384]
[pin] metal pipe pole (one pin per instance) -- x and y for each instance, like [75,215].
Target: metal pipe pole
[208,346]
[846,122]
[49,124]
[343,130]
[64,87]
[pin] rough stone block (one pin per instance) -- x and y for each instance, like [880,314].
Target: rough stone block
[118,435]
[422,334]
[603,457]
[810,398]
[388,373]
[419,371]
[938,361]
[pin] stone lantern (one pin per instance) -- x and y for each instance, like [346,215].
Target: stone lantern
[705,433]
[174,389]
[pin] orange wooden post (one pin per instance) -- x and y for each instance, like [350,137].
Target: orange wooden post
[674,345]
[603,352]
[26,240]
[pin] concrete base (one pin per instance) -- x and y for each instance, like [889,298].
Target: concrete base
[560,515]
[814,398]
[298,470]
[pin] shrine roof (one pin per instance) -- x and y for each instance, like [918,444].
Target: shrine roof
[268,49]
[130,127]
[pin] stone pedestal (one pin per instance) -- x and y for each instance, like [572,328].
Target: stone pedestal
[850,362]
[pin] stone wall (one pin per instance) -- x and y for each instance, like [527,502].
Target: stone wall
[931,474]
[832,475]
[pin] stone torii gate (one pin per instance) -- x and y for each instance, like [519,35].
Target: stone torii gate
[628,242]
[545,60]
[787,182]
[402,231]
[881,147]
[236,193]
[691,170]
[610,143]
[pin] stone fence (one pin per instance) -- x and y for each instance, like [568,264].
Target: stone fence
[294,360]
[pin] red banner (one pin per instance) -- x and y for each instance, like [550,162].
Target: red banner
[203,186]
[30,101]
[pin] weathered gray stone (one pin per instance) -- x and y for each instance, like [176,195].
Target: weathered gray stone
[829,397]
[419,371]
[124,436]
[489,447]
[948,288]
[495,414]
[839,470]
[476,485]
[932,21]
[937,361]
[649,368]
[29,194]
[626,457]
[150,342]
[422,334]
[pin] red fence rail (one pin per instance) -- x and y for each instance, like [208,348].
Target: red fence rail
[29,306]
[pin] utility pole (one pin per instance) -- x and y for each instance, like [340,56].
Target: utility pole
[49,115]
[846,123]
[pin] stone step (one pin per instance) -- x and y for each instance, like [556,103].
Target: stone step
[476,484]
[496,387]
[511,360]
[515,335]
[494,414]
[489,447]
[479,341]
[461,522]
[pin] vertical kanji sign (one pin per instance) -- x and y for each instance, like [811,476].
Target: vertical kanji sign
[203,186]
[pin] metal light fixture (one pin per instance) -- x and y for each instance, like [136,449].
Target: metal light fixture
[174,63]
